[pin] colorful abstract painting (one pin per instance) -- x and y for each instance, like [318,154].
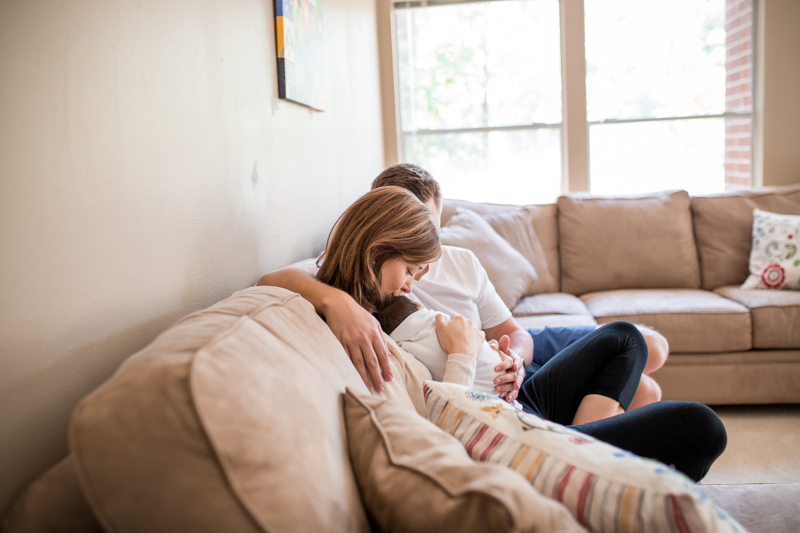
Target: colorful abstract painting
[301,53]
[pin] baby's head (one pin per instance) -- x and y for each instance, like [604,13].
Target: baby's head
[393,310]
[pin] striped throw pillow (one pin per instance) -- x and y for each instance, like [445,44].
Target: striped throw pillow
[605,488]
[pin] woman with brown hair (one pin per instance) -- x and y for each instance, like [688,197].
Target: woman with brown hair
[387,228]
[377,248]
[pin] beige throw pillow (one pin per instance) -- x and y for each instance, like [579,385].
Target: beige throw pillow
[415,477]
[636,242]
[509,271]
[605,488]
[516,227]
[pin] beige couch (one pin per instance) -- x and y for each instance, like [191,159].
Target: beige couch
[669,261]
[208,429]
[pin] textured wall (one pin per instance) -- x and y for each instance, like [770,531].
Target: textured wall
[777,106]
[148,169]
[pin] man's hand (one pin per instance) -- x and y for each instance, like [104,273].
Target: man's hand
[362,339]
[513,366]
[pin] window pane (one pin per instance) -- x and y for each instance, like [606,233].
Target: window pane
[518,166]
[479,64]
[651,156]
[654,58]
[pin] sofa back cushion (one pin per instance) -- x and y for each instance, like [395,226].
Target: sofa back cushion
[451,206]
[231,420]
[517,227]
[512,275]
[636,242]
[723,225]
[545,225]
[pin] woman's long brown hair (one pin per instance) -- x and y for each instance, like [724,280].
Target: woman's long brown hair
[386,223]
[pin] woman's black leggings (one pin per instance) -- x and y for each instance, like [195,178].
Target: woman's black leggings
[609,361]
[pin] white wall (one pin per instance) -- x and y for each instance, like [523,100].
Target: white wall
[148,169]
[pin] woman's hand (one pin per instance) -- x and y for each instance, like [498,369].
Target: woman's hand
[362,339]
[512,369]
[459,335]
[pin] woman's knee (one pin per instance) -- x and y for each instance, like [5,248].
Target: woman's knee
[709,437]
[623,327]
[628,335]
[715,434]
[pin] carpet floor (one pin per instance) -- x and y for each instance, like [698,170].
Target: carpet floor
[763,445]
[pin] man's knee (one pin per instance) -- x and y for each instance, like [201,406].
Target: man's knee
[647,392]
[657,348]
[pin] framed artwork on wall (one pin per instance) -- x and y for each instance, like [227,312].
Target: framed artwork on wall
[301,53]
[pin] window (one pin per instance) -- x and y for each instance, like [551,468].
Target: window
[480,96]
[657,77]
[668,95]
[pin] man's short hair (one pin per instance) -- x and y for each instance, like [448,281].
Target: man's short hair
[412,178]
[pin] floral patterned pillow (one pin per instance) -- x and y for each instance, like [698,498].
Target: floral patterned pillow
[605,488]
[774,261]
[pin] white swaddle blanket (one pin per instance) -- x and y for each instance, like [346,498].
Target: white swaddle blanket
[417,335]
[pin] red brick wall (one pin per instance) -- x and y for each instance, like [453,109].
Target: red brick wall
[738,91]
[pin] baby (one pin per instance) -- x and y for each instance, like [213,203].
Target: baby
[414,329]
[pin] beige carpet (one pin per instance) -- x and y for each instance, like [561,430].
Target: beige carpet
[763,445]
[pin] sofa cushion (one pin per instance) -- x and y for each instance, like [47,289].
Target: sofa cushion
[54,503]
[556,303]
[723,226]
[776,315]
[508,270]
[540,321]
[451,206]
[607,489]
[204,429]
[552,309]
[641,242]
[517,228]
[415,477]
[693,321]
[543,217]
[774,263]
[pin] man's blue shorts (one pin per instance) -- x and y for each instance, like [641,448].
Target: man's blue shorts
[548,341]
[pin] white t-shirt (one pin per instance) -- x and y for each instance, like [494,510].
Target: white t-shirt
[457,284]
[417,335]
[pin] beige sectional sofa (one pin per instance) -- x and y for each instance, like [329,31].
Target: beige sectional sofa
[674,263]
[202,431]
